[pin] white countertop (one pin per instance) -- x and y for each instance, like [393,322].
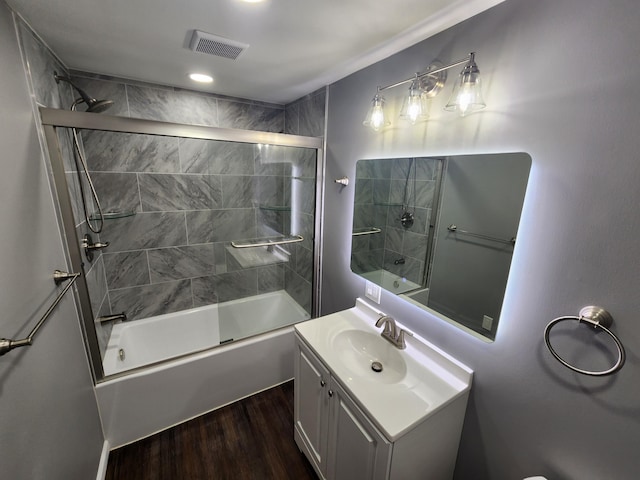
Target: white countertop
[405,398]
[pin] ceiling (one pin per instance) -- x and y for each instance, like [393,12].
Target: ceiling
[295,46]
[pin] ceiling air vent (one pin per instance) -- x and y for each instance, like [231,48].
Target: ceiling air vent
[218,46]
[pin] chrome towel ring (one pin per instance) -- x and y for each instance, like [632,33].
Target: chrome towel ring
[598,318]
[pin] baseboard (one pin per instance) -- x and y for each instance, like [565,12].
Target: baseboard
[104,461]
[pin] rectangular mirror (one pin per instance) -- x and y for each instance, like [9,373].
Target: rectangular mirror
[440,232]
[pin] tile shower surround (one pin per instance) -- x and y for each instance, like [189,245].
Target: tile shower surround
[167,283]
[380,188]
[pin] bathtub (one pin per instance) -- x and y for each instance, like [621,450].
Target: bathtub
[155,339]
[147,400]
[390,281]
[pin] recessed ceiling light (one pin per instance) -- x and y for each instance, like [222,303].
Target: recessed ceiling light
[201,77]
[253,1]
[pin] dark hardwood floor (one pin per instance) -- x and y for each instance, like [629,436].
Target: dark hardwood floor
[250,439]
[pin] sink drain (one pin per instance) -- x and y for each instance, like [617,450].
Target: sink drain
[376,366]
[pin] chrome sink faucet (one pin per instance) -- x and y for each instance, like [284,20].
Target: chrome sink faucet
[391,332]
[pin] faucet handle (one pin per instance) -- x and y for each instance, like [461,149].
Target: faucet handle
[400,341]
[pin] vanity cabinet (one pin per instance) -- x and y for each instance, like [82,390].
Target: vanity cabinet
[399,421]
[337,437]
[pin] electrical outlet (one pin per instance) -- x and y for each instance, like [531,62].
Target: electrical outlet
[372,291]
[487,322]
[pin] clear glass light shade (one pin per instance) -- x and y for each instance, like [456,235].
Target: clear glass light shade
[414,107]
[467,94]
[376,118]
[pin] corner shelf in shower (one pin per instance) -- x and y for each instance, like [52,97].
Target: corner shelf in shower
[386,204]
[261,251]
[113,215]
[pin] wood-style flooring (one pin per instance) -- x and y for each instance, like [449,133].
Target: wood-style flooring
[250,439]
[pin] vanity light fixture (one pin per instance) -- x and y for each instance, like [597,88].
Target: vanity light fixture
[465,98]
[376,118]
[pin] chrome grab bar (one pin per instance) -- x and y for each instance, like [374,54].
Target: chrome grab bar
[370,231]
[7,344]
[268,243]
[454,228]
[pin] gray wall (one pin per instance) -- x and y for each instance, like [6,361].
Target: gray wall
[560,82]
[49,423]
[481,194]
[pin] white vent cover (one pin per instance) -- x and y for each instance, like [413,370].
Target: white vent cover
[213,45]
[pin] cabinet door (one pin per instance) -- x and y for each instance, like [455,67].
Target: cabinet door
[311,406]
[357,451]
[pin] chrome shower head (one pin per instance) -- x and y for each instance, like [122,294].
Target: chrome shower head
[93,105]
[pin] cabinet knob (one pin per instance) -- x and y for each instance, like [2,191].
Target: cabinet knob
[322,383]
[330,392]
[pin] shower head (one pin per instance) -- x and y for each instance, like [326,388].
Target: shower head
[93,105]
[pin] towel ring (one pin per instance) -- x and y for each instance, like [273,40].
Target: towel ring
[598,318]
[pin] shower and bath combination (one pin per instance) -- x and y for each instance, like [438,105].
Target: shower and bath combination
[93,106]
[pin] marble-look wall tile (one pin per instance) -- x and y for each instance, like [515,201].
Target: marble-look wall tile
[105,90]
[271,160]
[204,291]
[103,330]
[208,226]
[127,269]
[177,263]
[216,157]
[164,192]
[299,289]
[238,191]
[292,119]
[303,161]
[269,191]
[414,245]
[234,285]
[304,195]
[118,192]
[149,300]
[128,152]
[172,106]
[96,283]
[270,279]
[304,263]
[305,227]
[146,230]
[312,115]
[41,65]
[367,261]
[249,116]
[412,269]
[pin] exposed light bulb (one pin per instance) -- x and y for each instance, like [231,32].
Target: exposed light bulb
[376,118]
[467,95]
[414,107]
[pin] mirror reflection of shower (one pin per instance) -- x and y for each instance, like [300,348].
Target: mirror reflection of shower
[407,216]
[93,106]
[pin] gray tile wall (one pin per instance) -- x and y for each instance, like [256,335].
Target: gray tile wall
[190,197]
[40,64]
[381,190]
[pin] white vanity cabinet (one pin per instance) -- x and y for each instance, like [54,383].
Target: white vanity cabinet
[330,429]
[355,423]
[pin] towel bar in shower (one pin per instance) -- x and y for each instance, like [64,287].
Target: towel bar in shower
[268,243]
[454,228]
[598,318]
[7,344]
[366,231]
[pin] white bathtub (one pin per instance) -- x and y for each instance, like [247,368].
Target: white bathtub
[143,342]
[390,281]
[140,403]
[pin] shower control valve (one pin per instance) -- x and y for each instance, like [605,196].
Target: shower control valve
[89,246]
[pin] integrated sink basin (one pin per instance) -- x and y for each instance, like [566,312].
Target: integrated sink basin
[413,385]
[360,350]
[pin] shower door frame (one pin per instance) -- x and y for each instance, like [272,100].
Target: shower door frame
[52,119]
